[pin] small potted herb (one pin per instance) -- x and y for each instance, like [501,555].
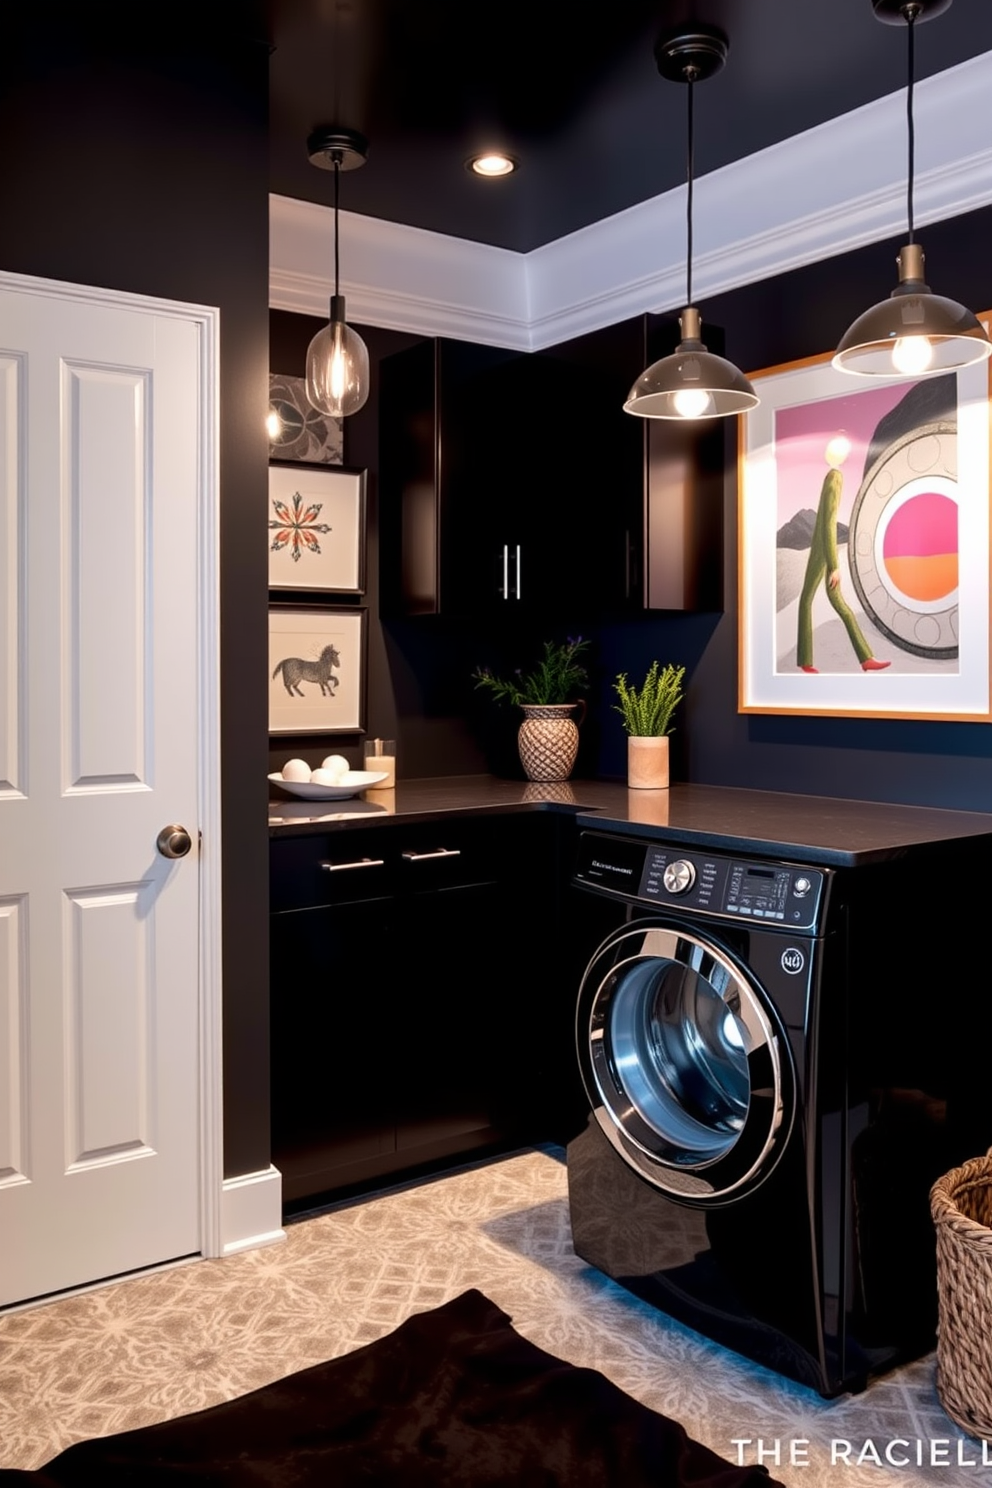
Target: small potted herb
[548,738]
[647,716]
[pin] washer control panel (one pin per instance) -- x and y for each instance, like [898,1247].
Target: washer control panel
[771,893]
[785,895]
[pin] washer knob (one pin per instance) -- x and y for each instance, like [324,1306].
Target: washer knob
[679,876]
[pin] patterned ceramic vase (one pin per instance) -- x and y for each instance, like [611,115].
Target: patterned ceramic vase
[548,740]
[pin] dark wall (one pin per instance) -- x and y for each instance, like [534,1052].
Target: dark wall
[136,158]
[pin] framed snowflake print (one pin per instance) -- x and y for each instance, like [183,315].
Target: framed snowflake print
[317,529]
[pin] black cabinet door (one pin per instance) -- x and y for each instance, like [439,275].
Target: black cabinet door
[333,1047]
[450,998]
[441,541]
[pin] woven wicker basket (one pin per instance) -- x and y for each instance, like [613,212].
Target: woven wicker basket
[961,1205]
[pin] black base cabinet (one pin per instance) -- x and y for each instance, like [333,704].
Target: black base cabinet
[416,1012]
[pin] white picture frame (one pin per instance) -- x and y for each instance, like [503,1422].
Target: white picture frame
[894,446]
[316,529]
[316,670]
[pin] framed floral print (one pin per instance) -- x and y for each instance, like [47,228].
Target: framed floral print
[864,545]
[317,529]
[316,670]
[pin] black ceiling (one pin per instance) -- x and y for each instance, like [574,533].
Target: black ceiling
[573,91]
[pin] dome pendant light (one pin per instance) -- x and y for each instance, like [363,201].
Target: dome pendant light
[913,332]
[692,383]
[337,358]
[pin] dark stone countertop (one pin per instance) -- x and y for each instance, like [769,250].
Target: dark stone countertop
[813,829]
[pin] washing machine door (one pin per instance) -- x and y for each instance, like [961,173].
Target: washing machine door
[685,1062]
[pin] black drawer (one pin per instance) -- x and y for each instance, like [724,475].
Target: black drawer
[350,866]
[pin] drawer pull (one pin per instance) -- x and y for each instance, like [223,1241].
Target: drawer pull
[346,867]
[442,852]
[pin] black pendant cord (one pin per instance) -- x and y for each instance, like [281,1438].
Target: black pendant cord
[911,128]
[337,185]
[690,77]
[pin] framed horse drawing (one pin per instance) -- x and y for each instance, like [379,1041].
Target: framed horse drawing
[316,670]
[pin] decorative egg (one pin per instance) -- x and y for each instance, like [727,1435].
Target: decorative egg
[325,777]
[335,764]
[296,769]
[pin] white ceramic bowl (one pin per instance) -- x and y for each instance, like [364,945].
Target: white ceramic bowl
[349,784]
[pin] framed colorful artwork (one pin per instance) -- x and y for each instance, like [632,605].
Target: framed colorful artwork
[317,529]
[316,671]
[864,545]
[297,430]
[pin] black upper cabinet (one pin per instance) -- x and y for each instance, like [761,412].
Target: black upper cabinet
[515,484]
[438,434]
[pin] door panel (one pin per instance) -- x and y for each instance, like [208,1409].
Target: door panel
[99,953]
[12,623]
[106,492]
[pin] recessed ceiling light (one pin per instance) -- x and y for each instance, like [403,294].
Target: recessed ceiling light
[492,163]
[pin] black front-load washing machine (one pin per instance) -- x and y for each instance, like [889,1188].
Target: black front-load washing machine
[777,1071]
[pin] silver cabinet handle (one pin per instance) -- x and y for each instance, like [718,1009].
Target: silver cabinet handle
[173,842]
[441,852]
[506,571]
[359,863]
[519,595]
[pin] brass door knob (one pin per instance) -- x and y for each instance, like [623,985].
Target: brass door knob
[173,842]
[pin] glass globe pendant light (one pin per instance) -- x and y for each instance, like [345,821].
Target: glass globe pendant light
[692,383]
[913,332]
[337,380]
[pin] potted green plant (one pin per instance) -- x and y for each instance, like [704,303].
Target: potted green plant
[647,716]
[548,738]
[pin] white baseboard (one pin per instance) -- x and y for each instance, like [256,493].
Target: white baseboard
[251,1211]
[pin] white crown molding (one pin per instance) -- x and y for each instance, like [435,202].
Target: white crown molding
[827,191]
[406,278]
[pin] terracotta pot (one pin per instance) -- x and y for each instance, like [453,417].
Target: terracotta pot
[548,740]
[647,762]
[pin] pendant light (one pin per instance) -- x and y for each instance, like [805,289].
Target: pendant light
[913,332]
[692,383]
[338,359]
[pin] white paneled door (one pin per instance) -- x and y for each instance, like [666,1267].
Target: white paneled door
[105,459]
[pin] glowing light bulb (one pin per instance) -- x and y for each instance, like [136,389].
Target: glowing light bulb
[912,354]
[338,375]
[837,450]
[273,425]
[690,403]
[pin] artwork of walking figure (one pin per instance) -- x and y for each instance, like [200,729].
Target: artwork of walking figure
[295,670]
[822,566]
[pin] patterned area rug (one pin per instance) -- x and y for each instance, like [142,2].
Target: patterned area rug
[161,1345]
